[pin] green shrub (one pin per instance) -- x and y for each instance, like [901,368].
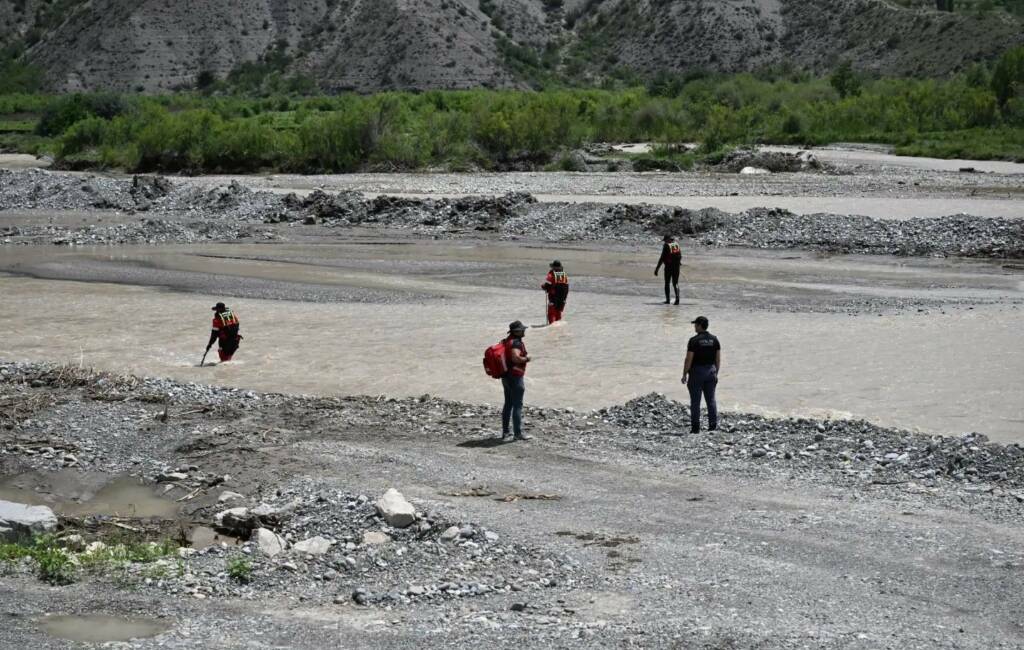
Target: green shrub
[54,566]
[239,569]
[481,128]
[61,114]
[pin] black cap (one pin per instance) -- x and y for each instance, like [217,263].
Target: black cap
[516,326]
[701,320]
[220,307]
[556,264]
[667,238]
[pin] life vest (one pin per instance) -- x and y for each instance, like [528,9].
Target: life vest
[674,250]
[226,324]
[558,286]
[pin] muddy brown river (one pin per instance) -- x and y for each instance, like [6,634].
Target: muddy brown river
[801,333]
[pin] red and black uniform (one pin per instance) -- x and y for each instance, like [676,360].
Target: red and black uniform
[225,332]
[557,286]
[672,258]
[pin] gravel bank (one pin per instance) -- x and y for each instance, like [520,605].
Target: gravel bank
[306,469]
[178,212]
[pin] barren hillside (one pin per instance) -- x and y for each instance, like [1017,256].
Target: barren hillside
[369,45]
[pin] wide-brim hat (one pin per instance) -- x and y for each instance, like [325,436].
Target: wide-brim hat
[556,264]
[219,307]
[516,326]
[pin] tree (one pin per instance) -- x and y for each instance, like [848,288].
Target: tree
[944,5]
[1008,77]
[205,79]
[846,82]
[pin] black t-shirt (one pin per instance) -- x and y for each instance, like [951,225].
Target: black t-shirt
[704,346]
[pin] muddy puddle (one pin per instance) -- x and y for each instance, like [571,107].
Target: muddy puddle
[102,628]
[74,494]
[939,370]
[202,537]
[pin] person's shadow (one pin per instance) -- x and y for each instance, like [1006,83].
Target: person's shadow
[483,443]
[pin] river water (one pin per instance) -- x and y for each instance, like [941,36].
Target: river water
[945,370]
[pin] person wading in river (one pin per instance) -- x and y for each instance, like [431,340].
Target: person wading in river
[514,383]
[556,284]
[700,373]
[672,258]
[225,332]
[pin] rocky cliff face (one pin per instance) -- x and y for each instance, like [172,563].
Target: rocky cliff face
[369,45]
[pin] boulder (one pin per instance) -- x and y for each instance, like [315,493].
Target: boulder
[754,170]
[313,546]
[235,521]
[395,509]
[268,542]
[451,533]
[373,538]
[20,520]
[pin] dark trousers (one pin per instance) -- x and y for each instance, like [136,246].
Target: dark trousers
[227,347]
[702,381]
[515,388]
[671,280]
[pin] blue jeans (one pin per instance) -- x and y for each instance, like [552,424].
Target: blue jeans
[703,380]
[515,388]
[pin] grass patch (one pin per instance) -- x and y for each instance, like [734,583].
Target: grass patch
[17,126]
[239,569]
[979,144]
[60,566]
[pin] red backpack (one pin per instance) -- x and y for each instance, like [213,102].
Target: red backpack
[495,363]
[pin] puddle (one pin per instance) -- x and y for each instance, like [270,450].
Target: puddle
[100,628]
[202,537]
[73,494]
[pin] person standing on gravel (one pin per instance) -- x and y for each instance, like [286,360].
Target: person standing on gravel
[556,284]
[672,258]
[700,373]
[514,382]
[224,332]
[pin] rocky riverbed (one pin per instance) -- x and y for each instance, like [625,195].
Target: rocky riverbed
[167,211]
[286,483]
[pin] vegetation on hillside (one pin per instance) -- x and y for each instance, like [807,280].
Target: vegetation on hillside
[978,115]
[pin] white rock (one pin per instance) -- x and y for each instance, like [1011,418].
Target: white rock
[167,477]
[231,514]
[373,537]
[395,509]
[25,520]
[451,533]
[228,495]
[95,547]
[269,542]
[754,170]
[313,546]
